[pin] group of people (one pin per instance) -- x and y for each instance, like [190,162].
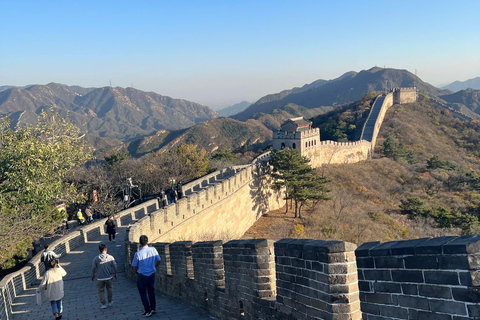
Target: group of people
[89,216]
[171,195]
[104,269]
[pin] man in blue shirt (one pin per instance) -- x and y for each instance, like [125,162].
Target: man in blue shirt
[145,263]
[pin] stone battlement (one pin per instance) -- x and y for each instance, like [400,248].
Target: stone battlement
[260,279]
[233,197]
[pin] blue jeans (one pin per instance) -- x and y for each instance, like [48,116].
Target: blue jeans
[57,306]
[146,284]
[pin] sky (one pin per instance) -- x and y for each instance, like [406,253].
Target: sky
[218,53]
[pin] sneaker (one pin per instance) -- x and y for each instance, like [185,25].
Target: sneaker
[147,314]
[153,311]
[103,306]
[114,240]
[110,303]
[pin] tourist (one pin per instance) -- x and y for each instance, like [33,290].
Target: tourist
[52,288]
[179,190]
[105,267]
[88,213]
[80,218]
[47,256]
[145,263]
[111,226]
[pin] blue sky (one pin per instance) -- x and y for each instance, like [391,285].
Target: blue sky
[221,52]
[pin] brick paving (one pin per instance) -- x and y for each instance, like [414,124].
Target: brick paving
[81,296]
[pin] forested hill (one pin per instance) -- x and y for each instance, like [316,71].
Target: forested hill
[122,113]
[347,88]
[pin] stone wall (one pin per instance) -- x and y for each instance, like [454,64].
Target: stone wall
[332,152]
[15,283]
[436,278]
[223,204]
[260,279]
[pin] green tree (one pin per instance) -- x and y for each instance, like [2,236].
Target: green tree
[302,183]
[34,162]
[115,158]
[413,207]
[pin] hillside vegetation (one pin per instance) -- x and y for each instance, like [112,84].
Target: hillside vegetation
[427,186]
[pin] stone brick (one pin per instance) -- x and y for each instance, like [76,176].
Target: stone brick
[364,286]
[394,312]
[382,275]
[474,311]
[387,287]
[421,262]
[442,277]
[449,307]
[413,302]
[380,298]
[452,262]
[389,263]
[365,262]
[409,289]
[466,295]
[434,291]
[407,276]
[420,315]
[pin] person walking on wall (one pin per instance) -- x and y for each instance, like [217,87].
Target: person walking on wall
[47,256]
[105,267]
[145,263]
[111,226]
[52,287]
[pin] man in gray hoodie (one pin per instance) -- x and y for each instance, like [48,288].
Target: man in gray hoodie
[105,267]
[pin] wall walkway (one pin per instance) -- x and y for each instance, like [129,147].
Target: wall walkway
[81,297]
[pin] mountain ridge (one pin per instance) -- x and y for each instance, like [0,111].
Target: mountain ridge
[123,113]
[349,87]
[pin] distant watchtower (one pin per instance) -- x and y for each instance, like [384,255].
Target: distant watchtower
[404,95]
[296,133]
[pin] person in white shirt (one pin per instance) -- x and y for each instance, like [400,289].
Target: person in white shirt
[145,263]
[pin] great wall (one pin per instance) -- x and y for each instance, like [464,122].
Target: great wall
[436,278]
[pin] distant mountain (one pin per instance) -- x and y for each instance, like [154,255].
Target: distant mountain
[469,98]
[212,135]
[234,109]
[122,113]
[461,85]
[348,88]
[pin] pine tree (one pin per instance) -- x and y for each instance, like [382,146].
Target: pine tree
[302,183]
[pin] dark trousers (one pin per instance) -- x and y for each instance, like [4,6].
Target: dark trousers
[146,285]
[111,236]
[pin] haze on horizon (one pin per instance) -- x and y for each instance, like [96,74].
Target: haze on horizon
[219,52]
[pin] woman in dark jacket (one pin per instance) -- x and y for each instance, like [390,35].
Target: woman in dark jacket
[111,228]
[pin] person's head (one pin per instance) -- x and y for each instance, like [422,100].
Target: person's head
[109,218]
[102,248]
[45,247]
[143,240]
[53,263]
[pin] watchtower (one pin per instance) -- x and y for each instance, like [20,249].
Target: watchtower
[296,133]
[404,95]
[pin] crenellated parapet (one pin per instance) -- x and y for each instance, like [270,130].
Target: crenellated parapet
[260,279]
[234,198]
